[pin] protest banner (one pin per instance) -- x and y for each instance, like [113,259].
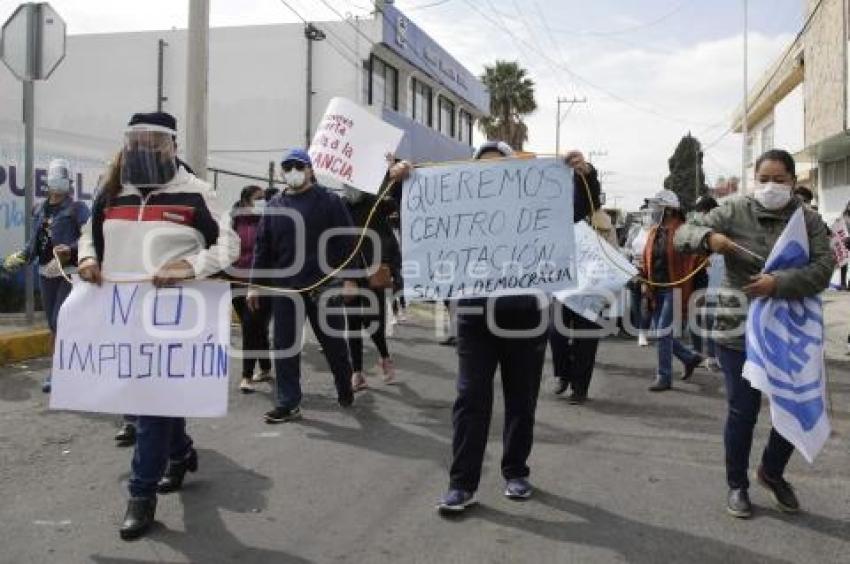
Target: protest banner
[481,228]
[351,144]
[133,348]
[601,272]
[839,235]
[785,350]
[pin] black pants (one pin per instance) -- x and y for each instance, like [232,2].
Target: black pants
[359,318]
[255,334]
[573,356]
[520,361]
[844,277]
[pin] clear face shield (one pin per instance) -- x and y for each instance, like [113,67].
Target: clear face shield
[149,157]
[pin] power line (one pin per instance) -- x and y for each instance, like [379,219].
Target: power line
[666,16]
[565,68]
[428,5]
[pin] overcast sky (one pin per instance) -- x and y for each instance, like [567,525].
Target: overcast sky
[652,70]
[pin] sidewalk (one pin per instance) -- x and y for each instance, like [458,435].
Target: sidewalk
[836,307]
[20,341]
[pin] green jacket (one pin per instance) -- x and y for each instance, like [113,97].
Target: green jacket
[749,224]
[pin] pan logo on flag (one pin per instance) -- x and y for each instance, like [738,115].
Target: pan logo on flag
[785,343]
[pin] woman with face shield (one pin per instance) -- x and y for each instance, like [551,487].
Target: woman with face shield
[743,230]
[156,220]
[57,224]
[665,266]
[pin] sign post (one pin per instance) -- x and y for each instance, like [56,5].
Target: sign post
[32,45]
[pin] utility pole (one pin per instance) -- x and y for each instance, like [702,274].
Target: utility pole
[197,90]
[571,102]
[312,33]
[745,118]
[160,74]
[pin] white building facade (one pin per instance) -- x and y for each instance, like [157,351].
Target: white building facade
[257,98]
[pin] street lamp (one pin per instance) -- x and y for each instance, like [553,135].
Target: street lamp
[311,33]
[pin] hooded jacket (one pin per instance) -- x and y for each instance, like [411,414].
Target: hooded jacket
[757,229]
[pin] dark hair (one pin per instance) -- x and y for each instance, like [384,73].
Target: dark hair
[804,193]
[705,204]
[247,193]
[781,156]
[111,186]
[270,193]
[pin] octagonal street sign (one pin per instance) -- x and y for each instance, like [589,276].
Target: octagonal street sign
[32,43]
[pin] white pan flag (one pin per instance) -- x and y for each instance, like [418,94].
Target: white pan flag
[785,351]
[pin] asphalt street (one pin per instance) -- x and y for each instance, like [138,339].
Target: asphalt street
[628,477]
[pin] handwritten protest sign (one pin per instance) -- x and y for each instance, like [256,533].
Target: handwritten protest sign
[601,272]
[132,348]
[483,228]
[839,235]
[351,144]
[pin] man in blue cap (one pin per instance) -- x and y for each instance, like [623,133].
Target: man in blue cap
[312,209]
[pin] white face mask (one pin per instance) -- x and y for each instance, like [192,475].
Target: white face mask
[773,196]
[259,206]
[59,185]
[295,178]
[353,194]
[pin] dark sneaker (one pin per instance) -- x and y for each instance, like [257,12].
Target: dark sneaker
[691,366]
[660,386]
[46,385]
[576,398]
[126,436]
[561,385]
[450,342]
[346,400]
[456,501]
[282,415]
[782,492]
[518,488]
[738,503]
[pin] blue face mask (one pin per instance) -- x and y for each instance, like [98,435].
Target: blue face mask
[59,185]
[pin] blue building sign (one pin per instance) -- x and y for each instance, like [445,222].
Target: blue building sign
[408,41]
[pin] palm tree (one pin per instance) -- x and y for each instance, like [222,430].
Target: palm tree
[511,98]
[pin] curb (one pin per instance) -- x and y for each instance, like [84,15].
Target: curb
[24,345]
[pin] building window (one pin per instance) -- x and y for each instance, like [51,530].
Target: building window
[447,117]
[835,173]
[383,91]
[422,103]
[767,137]
[465,128]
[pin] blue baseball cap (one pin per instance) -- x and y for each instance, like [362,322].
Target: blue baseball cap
[298,156]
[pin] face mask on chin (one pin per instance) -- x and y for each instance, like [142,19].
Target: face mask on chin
[773,196]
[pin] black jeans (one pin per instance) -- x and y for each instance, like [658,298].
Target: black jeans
[520,360]
[289,319]
[255,334]
[359,318]
[744,405]
[573,356]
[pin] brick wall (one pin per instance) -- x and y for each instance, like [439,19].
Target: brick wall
[826,71]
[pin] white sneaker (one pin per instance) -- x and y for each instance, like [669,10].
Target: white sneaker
[246,387]
[642,340]
[711,364]
[262,376]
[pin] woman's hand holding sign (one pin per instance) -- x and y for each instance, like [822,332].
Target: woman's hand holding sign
[172,273]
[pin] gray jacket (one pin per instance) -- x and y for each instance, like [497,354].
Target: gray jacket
[757,229]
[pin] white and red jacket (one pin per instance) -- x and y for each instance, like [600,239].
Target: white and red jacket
[133,235]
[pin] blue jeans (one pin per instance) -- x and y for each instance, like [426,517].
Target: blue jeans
[53,293]
[158,440]
[744,405]
[668,345]
[288,325]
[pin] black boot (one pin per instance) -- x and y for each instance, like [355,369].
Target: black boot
[139,517]
[126,436]
[176,472]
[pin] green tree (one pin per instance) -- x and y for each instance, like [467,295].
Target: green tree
[687,178]
[511,98]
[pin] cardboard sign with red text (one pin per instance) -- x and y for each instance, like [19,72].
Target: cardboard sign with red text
[839,235]
[351,144]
